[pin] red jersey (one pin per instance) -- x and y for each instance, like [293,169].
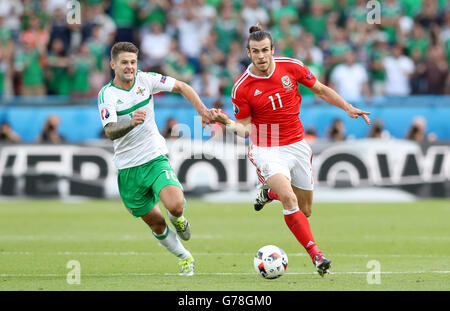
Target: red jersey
[273,102]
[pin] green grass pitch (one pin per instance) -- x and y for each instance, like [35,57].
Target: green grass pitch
[117,252]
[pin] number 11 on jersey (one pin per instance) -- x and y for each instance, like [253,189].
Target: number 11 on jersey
[273,102]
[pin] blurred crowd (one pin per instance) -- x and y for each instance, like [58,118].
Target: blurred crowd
[49,133]
[45,51]
[202,42]
[336,132]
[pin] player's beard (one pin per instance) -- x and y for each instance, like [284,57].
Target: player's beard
[263,68]
[124,77]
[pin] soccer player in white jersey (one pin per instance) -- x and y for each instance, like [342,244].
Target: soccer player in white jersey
[145,175]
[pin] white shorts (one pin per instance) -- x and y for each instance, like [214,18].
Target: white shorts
[293,161]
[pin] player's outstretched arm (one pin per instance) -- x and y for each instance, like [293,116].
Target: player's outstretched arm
[191,96]
[241,127]
[114,130]
[330,96]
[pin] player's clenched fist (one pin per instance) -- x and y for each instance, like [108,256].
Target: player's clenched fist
[138,117]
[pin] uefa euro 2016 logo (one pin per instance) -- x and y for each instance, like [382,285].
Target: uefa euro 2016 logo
[104,114]
[235,109]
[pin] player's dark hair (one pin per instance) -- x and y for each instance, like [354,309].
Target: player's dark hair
[120,47]
[257,34]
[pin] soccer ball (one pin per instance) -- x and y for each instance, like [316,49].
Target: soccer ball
[270,262]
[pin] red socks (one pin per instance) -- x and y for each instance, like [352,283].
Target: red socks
[299,226]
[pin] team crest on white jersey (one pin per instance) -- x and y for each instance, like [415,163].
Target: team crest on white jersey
[140,91]
[287,84]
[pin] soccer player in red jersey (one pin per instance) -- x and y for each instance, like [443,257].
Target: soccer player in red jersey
[266,106]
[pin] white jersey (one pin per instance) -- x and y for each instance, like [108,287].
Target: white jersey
[144,142]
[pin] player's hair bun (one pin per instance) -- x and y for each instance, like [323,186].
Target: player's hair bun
[254,29]
[257,34]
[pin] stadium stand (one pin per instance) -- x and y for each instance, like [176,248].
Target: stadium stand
[47,63]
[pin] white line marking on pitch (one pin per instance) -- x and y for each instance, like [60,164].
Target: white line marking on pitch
[216,273]
[131,253]
[43,237]
[127,237]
